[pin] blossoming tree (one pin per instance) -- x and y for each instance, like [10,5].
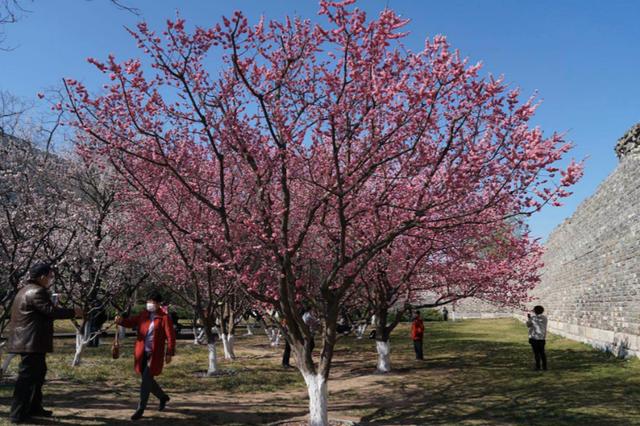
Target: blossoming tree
[306,134]
[495,261]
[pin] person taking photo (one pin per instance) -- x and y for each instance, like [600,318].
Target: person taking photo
[31,336]
[537,325]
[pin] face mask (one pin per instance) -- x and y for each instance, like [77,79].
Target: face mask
[151,307]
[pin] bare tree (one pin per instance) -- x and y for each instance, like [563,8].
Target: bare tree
[34,212]
[10,12]
[13,111]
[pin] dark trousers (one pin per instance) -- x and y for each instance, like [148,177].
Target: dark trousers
[538,353]
[149,385]
[286,356]
[417,346]
[27,394]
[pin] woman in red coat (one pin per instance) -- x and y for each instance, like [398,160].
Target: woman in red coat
[155,344]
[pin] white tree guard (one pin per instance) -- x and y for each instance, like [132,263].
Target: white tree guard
[384,356]
[213,359]
[318,397]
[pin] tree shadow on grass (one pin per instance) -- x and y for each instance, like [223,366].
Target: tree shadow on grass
[92,405]
[493,383]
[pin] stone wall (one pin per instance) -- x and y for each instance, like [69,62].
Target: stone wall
[590,284]
[476,308]
[591,279]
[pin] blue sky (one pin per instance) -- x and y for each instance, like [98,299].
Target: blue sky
[582,56]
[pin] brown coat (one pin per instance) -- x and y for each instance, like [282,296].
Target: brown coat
[32,315]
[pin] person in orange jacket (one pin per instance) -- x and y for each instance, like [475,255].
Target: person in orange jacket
[417,333]
[155,331]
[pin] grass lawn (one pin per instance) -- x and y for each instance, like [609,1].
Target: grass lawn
[63,326]
[477,372]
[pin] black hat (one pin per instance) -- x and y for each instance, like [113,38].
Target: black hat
[38,270]
[155,296]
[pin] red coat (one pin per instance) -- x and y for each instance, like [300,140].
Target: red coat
[163,332]
[417,329]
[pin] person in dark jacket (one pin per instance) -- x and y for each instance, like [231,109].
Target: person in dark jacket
[175,319]
[286,355]
[31,336]
[155,345]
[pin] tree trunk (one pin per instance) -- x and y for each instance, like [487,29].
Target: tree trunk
[227,345]
[318,397]
[383,346]
[80,343]
[268,331]
[197,335]
[213,359]
[249,329]
[361,330]
[273,333]
[384,356]
[230,345]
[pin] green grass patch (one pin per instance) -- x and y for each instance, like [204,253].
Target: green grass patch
[481,372]
[476,372]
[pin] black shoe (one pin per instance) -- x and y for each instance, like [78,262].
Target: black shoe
[286,366]
[19,421]
[137,415]
[41,413]
[163,403]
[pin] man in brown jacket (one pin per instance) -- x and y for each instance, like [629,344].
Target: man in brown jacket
[31,336]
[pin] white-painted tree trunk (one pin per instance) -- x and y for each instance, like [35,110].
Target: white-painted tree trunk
[318,396]
[213,360]
[249,329]
[231,340]
[384,356]
[227,345]
[80,343]
[273,334]
[362,328]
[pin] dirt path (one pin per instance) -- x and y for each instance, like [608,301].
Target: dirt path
[352,385]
